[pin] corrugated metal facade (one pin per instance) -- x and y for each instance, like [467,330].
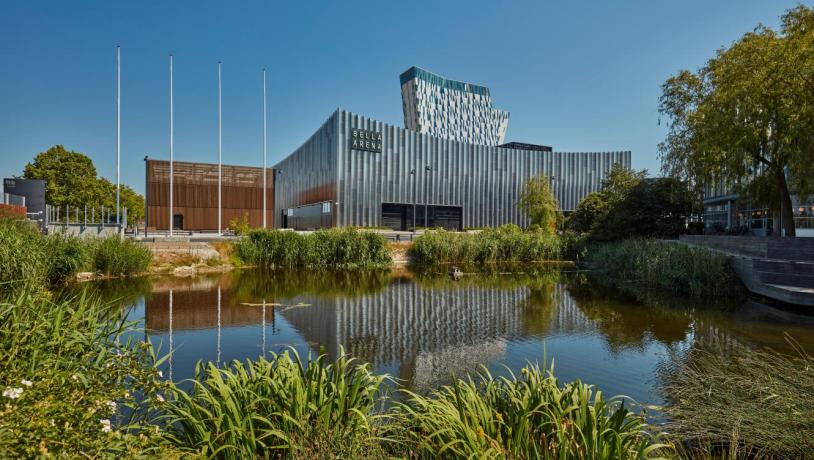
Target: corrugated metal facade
[485,181]
[195,194]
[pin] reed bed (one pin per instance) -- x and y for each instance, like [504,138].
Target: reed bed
[670,267]
[747,404]
[280,406]
[507,244]
[28,257]
[532,416]
[347,248]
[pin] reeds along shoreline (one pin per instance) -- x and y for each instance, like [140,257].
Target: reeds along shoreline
[671,267]
[339,248]
[27,256]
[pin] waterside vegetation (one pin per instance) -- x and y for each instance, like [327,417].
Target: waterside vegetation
[339,248]
[669,267]
[27,256]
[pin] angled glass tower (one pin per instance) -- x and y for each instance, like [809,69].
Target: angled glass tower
[451,109]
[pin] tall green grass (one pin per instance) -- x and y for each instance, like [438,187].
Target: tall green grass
[69,373]
[532,416]
[22,255]
[323,248]
[507,244]
[277,407]
[120,256]
[670,267]
[746,404]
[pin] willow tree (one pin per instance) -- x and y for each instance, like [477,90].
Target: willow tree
[747,115]
[540,204]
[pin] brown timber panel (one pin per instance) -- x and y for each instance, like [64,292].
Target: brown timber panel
[195,194]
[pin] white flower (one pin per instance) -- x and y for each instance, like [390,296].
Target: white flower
[27,383]
[75,378]
[159,398]
[160,374]
[111,405]
[12,393]
[105,425]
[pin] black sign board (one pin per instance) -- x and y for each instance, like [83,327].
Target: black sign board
[369,141]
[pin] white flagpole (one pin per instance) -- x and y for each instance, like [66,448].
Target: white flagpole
[264,149]
[118,133]
[220,166]
[171,146]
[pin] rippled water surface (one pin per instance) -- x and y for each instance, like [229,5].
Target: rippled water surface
[422,329]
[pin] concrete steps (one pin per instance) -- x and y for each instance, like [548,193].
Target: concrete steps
[785,272]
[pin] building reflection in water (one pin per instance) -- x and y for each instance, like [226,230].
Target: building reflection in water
[421,331]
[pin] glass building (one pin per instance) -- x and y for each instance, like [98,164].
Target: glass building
[451,109]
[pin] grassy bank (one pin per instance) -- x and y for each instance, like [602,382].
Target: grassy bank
[675,268]
[27,256]
[68,373]
[507,244]
[346,248]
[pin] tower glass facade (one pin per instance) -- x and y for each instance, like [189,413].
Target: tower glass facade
[451,109]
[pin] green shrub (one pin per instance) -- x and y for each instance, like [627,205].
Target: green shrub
[505,244]
[322,248]
[527,417]
[276,407]
[69,375]
[117,256]
[22,255]
[671,267]
[240,226]
[67,255]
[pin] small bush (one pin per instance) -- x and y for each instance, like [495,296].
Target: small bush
[121,257]
[240,226]
[505,244]
[528,417]
[323,248]
[69,374]
[276,407]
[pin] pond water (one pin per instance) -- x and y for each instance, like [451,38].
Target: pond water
[422,329]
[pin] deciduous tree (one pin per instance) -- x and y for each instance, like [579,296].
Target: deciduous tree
[749,112]
[539,204]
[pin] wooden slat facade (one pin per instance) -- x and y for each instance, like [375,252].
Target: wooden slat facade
[195,194]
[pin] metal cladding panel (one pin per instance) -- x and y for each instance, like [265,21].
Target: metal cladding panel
[309,174]
[486,181]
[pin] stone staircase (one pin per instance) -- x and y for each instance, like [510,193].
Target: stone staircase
[777,268]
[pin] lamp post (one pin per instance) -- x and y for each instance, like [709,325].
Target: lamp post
[426,193]
[551,189]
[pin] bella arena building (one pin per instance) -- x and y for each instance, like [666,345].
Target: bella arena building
[448,169]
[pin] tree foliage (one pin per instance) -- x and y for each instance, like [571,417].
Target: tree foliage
[748,112]
[629,205]
[71,180]
[540,204]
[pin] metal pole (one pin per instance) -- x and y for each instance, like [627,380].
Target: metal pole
[171,147]
[220,167]
[264,149]
[412,173]
[118,131]
[426,195]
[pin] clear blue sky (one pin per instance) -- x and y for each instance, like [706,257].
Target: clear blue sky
[580,76]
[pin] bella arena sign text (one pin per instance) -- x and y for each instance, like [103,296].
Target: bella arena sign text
[370,141]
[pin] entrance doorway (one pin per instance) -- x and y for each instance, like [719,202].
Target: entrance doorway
[399,216]
[178,222]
